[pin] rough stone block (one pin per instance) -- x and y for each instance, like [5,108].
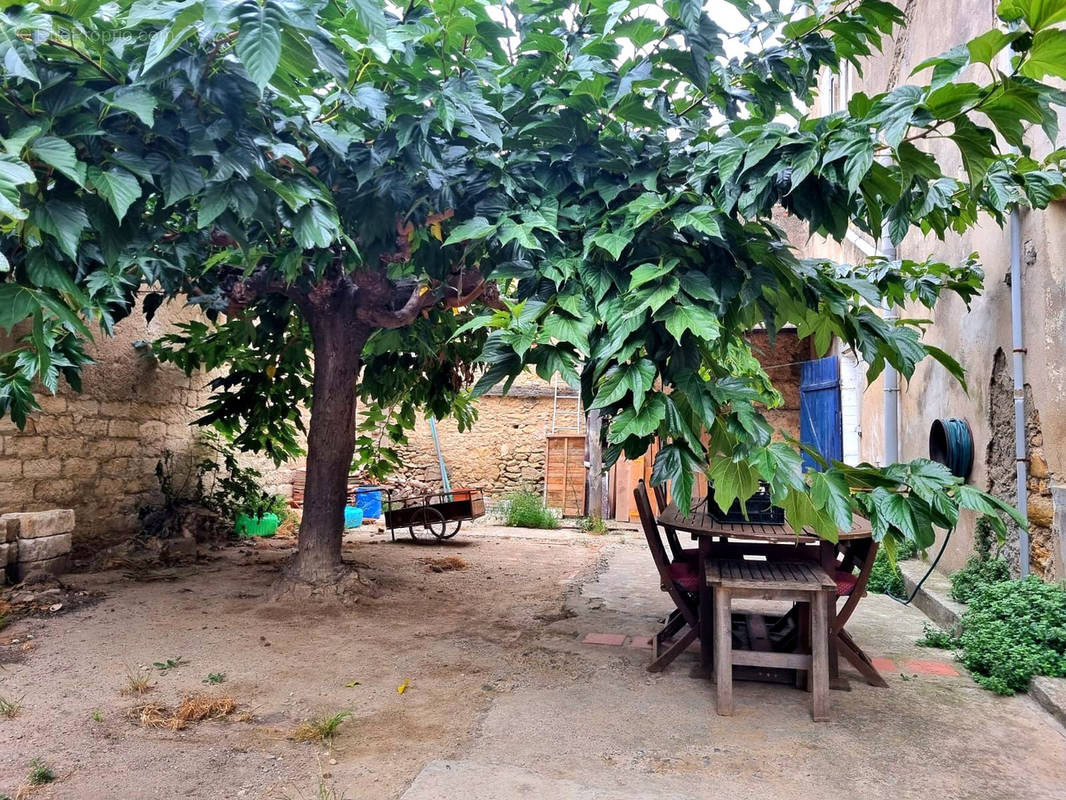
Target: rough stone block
[41,468]
[35,524]
[153,430]
[9,529]
[54,492]
[51,566]
[1041,511]
[123,429]
[10,468]
[44,547]
[79,467]
[8,553]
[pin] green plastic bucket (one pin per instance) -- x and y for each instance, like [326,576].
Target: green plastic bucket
[266,525]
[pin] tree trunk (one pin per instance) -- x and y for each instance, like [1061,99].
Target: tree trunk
[338,344]
[594,463]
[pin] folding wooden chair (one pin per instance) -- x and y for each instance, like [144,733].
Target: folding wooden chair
[679,553]
[680,579]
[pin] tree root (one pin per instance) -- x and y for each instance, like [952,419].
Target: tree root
[339,586]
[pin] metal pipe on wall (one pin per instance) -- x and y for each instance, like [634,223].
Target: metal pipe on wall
[1018,346]
[887,250]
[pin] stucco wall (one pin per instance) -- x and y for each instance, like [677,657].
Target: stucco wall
[975,335]
[96,451]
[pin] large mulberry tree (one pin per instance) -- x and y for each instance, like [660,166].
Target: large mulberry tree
[386,205]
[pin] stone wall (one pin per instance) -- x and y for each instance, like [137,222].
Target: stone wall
[504,450]
[96,452]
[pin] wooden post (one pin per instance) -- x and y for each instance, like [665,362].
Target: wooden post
[595,497]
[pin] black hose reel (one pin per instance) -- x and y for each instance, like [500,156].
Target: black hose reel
[951,444]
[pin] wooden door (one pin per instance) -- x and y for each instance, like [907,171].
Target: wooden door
[564,474]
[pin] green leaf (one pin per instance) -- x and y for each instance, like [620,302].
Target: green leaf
[315,226]
[733,480]
[119,187]
[64,221]
[613,243]
[371,15]
[164,42]
[258,43]
[946,67]
[894,111]
[475,228]
[689,317]
[700,218]
[137,100]
[17,303]
[60,154]
[1047,56]
[180,180]
[642,422]
[829,492]
[987,46]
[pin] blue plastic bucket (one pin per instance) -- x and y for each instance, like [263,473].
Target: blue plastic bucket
[368,499]
[353,516]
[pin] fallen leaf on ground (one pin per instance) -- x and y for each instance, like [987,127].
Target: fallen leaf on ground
[350,684]
[403,686]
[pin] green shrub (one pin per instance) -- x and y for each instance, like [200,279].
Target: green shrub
[932,636]
[885,577]
[1014,630]
[527,510]
[978,573]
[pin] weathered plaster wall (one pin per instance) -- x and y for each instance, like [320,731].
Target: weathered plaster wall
[96,451]
[975,335]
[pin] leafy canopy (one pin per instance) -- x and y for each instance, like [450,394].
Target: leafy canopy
[606,175]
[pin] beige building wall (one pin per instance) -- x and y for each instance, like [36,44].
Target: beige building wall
[96,451]
[979,337]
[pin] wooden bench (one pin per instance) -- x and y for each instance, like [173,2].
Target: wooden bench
[796,581]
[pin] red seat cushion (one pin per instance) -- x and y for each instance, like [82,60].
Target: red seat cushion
[845,582]
[685,575]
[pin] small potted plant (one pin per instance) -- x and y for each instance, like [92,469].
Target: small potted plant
[256,515]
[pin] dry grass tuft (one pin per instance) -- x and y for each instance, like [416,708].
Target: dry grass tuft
[138,682]
[445,564]
[198,707]
[9,708]
[194,708]
[322,728]
[151,715]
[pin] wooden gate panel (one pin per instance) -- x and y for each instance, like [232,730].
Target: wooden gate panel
[564,474]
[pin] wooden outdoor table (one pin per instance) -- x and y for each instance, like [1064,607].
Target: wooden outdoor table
[713,537]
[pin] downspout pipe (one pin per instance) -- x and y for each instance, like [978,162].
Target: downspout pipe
[887,250]
[1018,346]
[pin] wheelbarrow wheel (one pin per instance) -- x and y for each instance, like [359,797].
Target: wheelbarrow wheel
[427,521]
[453,531]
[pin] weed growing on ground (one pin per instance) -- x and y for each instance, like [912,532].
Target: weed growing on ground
[322,728]
[932,636]
[594,525]
[983,568]
[96,716]
[527,510]
[1014,630]
[168,664]
[215,678]
[40,773]
[138,682]
[9,708]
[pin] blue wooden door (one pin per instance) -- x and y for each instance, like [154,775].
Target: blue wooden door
[820,419]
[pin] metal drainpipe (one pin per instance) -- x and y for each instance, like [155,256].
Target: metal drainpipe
[1021,464]
[886,249]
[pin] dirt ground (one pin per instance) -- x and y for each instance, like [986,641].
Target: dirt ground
[452,635]
[504,697]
